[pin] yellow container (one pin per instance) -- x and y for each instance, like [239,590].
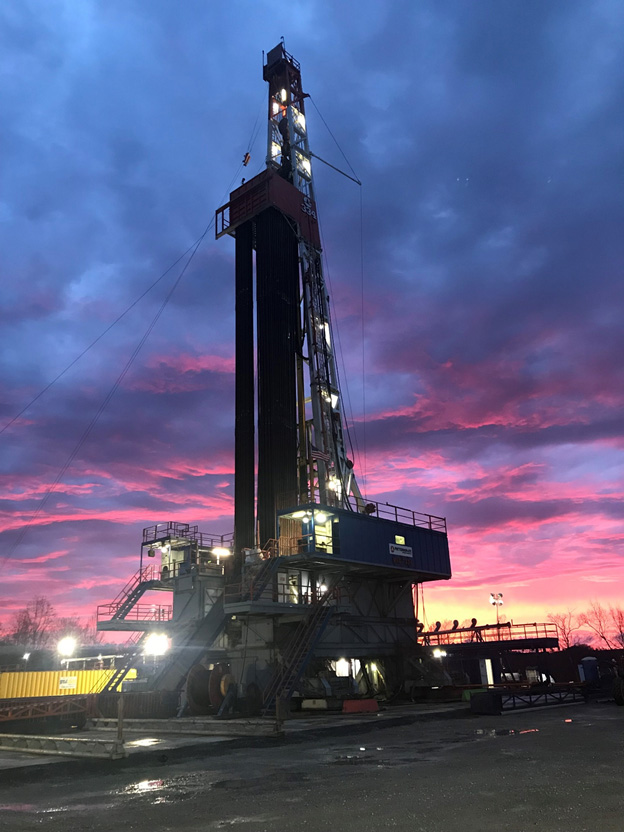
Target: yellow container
[55,682]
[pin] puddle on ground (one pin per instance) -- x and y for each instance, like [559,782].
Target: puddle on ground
[278,780]
[144,743]
[504,732]
[144,786]
[224,824]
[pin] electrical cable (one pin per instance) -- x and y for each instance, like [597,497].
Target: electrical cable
[335,139]
[87,431]
[119,317]
[335,329]
[99,338]
[362,457]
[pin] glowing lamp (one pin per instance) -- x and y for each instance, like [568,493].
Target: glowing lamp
[66,646]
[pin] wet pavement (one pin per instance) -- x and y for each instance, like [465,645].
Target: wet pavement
[553,769]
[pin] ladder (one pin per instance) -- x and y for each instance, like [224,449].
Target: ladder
[121,672]
[299,651]
[261,580]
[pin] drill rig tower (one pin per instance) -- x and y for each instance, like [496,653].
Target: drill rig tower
[301,449]
[319,578]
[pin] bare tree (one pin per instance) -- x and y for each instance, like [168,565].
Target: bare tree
[566,624]
[598,619]
[32,626]
[83,633]
[617,617]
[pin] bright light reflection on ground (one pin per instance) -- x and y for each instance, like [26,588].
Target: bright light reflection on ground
[145,786]
[144,742]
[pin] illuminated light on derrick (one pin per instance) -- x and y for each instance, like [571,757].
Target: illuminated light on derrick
[299,119]
[304,166]
[326,333]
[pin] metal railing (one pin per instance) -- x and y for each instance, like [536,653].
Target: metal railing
[163,531]
[488,633]
[143,575]
[372,508]
[139,612]
[407,516]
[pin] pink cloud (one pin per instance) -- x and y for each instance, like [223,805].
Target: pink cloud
[181,373]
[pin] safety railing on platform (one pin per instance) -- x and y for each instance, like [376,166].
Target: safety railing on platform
[489,632]
[139,612]
[385,511]
[165,531]
[400,515]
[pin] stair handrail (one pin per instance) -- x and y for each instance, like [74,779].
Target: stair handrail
[298,646]
[143,574]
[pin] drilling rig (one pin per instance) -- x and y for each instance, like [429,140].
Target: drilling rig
[311,597]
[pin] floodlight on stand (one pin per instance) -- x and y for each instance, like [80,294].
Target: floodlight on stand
[496,599]
[221,552]
[66,646]
[156,644]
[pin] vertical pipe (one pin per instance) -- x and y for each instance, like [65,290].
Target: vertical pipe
[244,460]
[277,295]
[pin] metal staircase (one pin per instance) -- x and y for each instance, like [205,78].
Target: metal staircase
[121,672]
[261,580]
[190,648]
[139,583]
[299,650]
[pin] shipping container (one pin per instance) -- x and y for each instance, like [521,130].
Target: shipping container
[19,685]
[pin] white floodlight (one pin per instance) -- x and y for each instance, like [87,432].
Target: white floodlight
[439,654]
[67,646]
[26,656]
[221,552]
[496,599]
[156,644]
[321,517]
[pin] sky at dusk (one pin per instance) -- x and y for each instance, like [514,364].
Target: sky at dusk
[482,346]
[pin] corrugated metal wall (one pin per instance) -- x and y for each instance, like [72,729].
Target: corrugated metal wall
[54,682]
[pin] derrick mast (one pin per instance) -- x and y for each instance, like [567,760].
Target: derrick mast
[301,455]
